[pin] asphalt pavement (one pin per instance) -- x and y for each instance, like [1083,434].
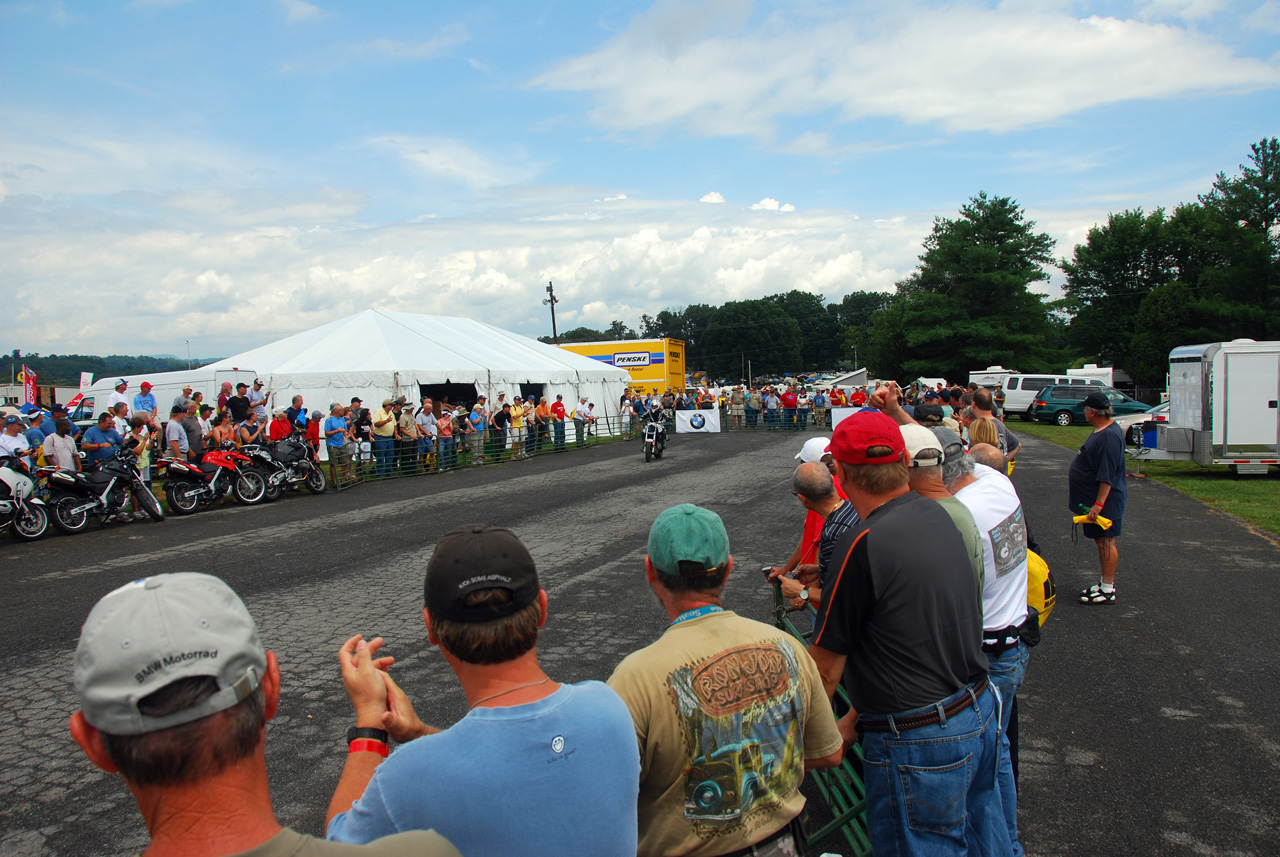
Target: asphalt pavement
[1143,723]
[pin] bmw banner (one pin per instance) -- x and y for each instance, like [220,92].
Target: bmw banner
[697,421]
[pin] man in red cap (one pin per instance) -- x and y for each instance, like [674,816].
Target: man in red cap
[901,625]
[144,404]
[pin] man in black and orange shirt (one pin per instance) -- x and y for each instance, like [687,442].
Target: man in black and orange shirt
[901,626]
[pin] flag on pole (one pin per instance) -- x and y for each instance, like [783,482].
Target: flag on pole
[28,379]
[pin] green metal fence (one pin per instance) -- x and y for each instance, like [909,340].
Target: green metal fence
[841,787]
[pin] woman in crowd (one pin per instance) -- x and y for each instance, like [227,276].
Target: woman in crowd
[444,433]
[220,429]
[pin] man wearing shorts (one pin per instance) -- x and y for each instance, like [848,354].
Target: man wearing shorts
[1096,488]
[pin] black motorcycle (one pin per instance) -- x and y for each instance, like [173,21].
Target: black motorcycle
[655,433]
[102,490]
[289,464]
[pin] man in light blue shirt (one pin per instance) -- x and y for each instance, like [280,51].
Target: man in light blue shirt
[100,441]
[563,756]
[146,402]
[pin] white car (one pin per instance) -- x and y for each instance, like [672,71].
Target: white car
[1131,424]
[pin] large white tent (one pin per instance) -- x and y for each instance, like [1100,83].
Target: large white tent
[376,355]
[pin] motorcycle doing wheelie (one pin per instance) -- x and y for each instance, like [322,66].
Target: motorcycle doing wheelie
[655,433]
[289,464]
[219,473]
[102,490]
[21,512]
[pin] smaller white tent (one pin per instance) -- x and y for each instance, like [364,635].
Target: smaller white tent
[377,355]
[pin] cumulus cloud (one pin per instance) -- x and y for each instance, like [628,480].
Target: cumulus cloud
[771,204]
[713,196]
[960,66]
[300,10]
[615,198]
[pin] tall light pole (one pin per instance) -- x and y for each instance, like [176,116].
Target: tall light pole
[551,302]
[188,353]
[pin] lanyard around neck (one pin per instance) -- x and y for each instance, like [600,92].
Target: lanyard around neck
[696,613]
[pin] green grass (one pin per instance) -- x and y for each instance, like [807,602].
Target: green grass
[1256,499]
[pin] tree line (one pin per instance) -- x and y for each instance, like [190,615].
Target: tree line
[1140,284]
[63,370]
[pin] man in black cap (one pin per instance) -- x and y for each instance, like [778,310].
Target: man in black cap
[1096,489]
[239,403]
[564,755]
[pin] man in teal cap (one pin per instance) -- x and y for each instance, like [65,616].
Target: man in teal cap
[729,712]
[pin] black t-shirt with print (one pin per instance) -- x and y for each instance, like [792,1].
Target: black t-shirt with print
[239,407]
[903,608]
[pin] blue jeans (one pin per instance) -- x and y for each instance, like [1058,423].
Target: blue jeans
[935,790]
[1006,671]
[448,453]
[384,452]
[803,413]
[559,432]
[752,413]
[770,419]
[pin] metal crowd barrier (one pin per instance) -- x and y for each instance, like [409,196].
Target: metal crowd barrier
[841,787]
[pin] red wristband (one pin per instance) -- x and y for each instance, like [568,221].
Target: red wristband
[368,745]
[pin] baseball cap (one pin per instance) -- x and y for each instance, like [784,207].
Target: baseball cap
[333,405]
[386,402]
[356,400]
[120,381]
[952,445]
[925,449]
[146,385]
[813,450]
[1097,401]
[931,394]
[859,432]
[11,419]
[242,384]
[257,382]
[148,634]
[479,556]
[688,533]
[928,412]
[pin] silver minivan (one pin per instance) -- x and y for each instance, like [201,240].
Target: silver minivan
[1020,390]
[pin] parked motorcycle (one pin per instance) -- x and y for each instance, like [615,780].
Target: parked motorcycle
[219,473]
[288,464]
[102,490]
[21,512]
[655,433]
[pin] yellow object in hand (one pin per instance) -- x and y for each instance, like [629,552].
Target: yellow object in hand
[1105,523]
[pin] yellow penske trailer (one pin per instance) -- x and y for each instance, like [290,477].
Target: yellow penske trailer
[653,363]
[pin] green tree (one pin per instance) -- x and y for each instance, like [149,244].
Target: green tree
[685,323]
[969,304]
[854,315]
[820,340]
[1164,321]
[1109,276]
[757,330]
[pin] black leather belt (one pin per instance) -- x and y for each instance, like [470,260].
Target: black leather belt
[928,718]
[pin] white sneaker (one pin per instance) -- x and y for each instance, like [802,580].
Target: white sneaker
[140,516]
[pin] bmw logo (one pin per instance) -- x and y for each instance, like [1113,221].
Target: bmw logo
[557,744]
[697,421]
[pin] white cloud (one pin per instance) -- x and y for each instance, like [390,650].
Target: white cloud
[615,198]
[455,161]
[395,49]
[713,196]
[300,10]
[959,66]
[1265,17]
[771,204]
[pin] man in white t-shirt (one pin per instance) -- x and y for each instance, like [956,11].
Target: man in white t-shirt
[118,397]
[12,440]
[990,497]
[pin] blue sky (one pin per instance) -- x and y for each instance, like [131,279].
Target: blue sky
[232,172]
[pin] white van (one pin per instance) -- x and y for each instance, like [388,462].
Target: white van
[1020,390]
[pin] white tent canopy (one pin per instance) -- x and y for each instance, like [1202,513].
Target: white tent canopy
[376,355]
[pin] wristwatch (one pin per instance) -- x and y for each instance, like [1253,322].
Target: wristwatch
[804,594]
[356,733]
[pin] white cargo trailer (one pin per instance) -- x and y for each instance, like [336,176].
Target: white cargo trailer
[991,376]
[1224,404]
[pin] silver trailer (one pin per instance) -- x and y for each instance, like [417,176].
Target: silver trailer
[1224,406]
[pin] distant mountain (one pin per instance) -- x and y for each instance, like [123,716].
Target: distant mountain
[64,370]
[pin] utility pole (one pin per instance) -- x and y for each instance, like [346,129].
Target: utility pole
[188,354]
[551,302]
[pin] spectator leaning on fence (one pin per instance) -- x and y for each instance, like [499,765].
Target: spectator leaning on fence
[175,693]
[563,755]
[715,690]
[336,437]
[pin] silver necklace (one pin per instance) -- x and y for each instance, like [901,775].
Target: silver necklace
[544,680]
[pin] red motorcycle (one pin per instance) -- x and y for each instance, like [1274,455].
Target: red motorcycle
[223,471]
